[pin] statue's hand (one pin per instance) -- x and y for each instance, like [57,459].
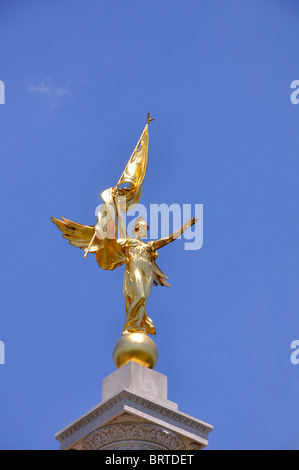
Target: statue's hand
[192,221]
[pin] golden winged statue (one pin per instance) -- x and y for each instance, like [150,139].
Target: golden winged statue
[139,257]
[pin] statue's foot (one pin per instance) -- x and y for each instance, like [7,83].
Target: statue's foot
[134,330]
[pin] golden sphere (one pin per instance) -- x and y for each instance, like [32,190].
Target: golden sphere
[136,347]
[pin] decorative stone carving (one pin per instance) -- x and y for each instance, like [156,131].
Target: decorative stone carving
[124,395]
[133,437]
[195,446]
[135,413]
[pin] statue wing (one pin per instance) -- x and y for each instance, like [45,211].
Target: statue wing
[77,234]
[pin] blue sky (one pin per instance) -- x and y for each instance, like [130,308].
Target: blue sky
[79,80]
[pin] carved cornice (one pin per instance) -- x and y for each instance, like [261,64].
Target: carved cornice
[132,436]
[125,395]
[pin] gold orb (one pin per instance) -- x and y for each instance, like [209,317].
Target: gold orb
[136,347]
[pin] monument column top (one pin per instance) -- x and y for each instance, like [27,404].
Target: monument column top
[135,414]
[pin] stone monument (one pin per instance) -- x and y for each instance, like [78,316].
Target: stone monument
[135,413]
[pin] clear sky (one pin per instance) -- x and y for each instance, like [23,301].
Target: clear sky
[80,77]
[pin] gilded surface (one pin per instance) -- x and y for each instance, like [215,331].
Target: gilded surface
[138,347]
[141,270]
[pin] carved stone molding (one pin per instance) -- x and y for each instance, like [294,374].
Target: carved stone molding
[125,395]
[195,446]
[133,437]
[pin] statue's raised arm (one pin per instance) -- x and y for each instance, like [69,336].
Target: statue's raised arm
[175,235]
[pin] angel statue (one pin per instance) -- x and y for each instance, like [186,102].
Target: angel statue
[139,257]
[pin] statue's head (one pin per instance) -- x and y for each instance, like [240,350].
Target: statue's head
[140,228]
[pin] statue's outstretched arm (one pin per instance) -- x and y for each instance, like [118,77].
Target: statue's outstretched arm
[164,241]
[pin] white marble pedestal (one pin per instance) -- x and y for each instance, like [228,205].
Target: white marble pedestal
[135,414]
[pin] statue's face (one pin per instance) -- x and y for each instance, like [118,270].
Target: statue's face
[142,231]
